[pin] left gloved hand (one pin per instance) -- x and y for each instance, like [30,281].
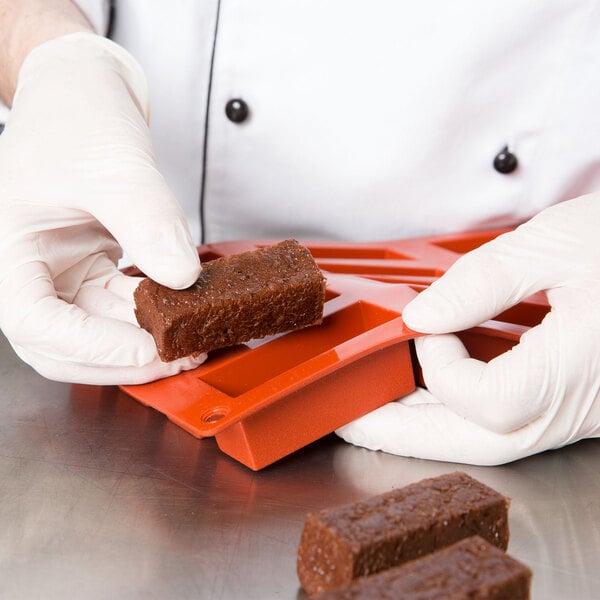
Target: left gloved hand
[78,181]
[542,394]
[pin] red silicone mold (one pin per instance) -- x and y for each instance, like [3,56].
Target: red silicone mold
[271,397]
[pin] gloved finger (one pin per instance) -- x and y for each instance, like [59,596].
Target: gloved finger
[505,394]
[101,271]
[33,317]
[102,302]
[106,292]
[96,269]
[432,431]
[72,254]
[486,281]
[152,230]
[123,286]
[72,372]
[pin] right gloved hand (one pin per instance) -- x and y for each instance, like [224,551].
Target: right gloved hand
[77,181]
[543,393]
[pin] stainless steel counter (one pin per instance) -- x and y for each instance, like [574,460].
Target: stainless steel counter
[104,498]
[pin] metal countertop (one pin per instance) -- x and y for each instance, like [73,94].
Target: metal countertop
[104,498]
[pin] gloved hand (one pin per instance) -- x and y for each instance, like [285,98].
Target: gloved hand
[78,179]
[542,394]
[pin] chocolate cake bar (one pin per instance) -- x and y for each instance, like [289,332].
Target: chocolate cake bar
[237,298]
[471,568]
[340,544]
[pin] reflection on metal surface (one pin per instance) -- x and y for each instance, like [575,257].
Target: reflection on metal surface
[104,498]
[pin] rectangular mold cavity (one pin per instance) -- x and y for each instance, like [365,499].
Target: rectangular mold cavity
[356,252]
[529,312]
[377,268]
[250,369]
[463,243]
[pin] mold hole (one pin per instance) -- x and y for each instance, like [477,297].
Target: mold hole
[214,414]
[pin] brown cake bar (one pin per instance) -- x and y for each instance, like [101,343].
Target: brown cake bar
[236,299]
[471,568]
[340,544]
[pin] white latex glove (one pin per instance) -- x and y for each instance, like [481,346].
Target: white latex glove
[542,394]
[77,175]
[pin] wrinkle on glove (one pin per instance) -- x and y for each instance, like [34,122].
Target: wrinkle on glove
[542,394]
[78,183]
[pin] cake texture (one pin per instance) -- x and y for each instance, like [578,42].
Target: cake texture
[340,544]
[237,298]
[471,568]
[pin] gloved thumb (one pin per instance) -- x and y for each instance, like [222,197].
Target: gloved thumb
[153,232]
[482,284]
[556,248]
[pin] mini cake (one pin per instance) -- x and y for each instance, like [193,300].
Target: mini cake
[237,298]
[471,568]
[340,544]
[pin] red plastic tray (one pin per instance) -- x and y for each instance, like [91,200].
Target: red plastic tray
[269,398]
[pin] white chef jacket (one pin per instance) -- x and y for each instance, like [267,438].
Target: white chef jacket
[366,120]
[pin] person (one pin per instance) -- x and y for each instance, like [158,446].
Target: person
[329,120]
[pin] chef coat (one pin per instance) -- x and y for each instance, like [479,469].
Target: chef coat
[354,120]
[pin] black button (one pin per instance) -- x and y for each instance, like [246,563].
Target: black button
[1,127]
[236,110]
[505,161]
